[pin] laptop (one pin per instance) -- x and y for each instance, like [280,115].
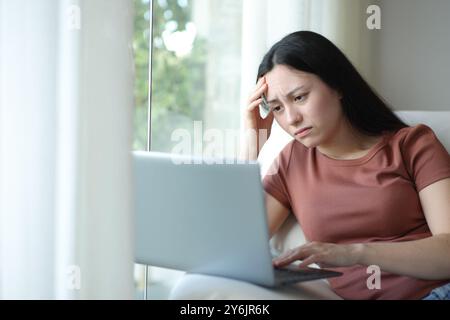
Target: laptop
[206,216]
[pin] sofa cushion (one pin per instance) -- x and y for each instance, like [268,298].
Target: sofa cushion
[436,120]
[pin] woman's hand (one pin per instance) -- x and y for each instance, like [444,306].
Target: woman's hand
[253,123]
[324,254]
[252,117]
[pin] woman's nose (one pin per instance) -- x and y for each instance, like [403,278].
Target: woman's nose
[293,116]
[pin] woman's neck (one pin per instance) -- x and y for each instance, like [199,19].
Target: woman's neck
[348,144]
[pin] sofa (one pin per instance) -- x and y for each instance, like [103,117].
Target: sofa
[196,286]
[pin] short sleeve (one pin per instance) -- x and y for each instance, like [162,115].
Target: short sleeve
[275,180]
[426,159]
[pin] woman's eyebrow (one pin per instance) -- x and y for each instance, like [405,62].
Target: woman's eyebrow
[289,94]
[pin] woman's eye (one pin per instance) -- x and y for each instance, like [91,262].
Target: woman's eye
[276,109]
[300,98]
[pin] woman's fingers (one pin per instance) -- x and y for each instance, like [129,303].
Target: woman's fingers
[326,255]
[257,93]
[260,82]
[315,258]
[254,104]
[260,88]
[291,256]
[281,259]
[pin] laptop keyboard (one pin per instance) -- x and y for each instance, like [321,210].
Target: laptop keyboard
[288,276]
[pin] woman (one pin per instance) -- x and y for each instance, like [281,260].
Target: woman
[366,188]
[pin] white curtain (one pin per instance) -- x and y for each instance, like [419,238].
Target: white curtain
[66,101]
[267,21]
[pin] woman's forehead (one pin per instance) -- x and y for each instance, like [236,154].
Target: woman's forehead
[281,75]
[284,81]
[281,69]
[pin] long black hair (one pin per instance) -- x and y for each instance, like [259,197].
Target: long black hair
[311,52]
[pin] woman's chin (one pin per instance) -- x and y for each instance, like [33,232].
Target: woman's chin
[306,142]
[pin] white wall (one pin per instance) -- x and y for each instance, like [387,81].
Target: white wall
[412,50]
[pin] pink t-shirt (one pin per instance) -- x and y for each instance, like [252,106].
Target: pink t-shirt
[370,199]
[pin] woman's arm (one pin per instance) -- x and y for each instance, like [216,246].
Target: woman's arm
[276,214]
[256,130]
[427,258]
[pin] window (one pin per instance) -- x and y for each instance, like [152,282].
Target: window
[196,63]
[141,41]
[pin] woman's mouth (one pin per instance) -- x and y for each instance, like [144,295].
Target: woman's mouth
[303,132]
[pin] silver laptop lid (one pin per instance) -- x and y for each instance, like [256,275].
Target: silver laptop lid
[202,218]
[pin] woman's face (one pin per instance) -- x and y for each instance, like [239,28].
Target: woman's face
[302,100]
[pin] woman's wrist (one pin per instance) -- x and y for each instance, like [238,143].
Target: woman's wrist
[358,251]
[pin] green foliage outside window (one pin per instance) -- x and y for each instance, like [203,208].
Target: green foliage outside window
[178,83]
